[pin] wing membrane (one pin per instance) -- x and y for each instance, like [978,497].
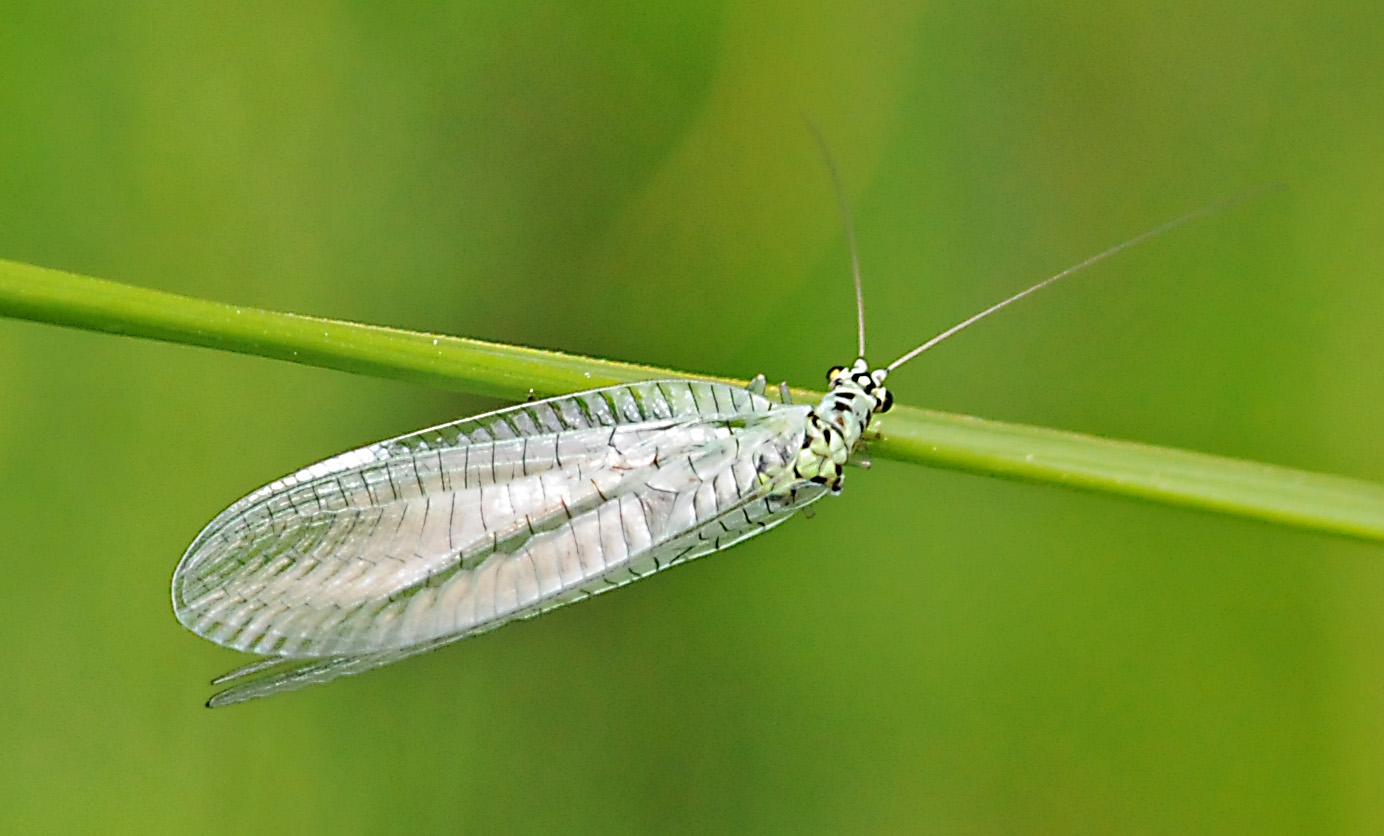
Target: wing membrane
[393,548]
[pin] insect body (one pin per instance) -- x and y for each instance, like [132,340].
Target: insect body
[402,546]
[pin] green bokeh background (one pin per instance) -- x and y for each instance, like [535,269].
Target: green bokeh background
[932,653]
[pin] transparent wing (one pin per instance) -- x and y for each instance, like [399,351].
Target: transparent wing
[394,548]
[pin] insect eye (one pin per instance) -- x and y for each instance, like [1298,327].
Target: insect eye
[886,401]
[834,373]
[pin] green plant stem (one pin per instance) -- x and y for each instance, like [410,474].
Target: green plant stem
[1295,498]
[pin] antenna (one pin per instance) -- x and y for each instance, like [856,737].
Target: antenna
[1101,256]
[850,232]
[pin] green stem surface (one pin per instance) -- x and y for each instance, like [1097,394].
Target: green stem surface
[1295,498]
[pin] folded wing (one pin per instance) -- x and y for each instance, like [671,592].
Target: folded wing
[394,548]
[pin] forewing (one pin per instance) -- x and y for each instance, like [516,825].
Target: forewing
[456,529]
[682,518]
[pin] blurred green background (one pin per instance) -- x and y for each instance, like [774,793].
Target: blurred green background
[932,653]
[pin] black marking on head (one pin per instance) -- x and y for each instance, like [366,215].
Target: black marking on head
[886,401]
[834,372]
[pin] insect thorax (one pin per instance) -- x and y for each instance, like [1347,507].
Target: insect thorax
[836,425]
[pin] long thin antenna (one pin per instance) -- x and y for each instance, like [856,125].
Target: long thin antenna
[1101,256]
[850,232]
